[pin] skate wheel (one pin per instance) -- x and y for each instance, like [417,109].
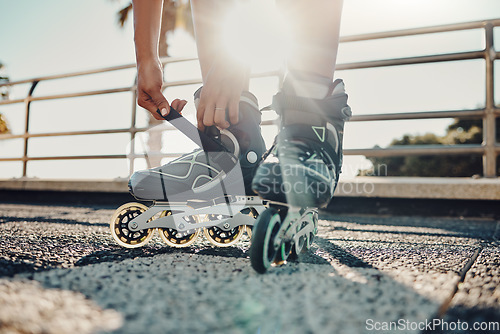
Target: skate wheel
[252,213]
[283,253]
[120,230]
[293,256]
[263,249]
[223,238]
[249,231]
[312,235]
[305,242]
[173,238]
[300,246]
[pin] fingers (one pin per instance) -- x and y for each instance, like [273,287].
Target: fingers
[215,114]
[199,120]
[161,103]
[151,105]
[212,110]
[145,101]
[204,112]
[178,105]
[220,118]
[200,114]
[209,114]
[183,104]
[233,108]
[152,101]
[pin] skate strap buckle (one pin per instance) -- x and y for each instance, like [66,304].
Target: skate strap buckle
[192,132]
[225,159]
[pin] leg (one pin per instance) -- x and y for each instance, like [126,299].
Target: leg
[223,80]
[225,87]
[316,34]
[303,166]
[313,110]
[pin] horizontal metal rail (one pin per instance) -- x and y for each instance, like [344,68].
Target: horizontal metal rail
[421,31]
[402,150]
[489,148]
[473,113]
[393,151]
[413,60]
[72,133]
[118,90]
[165,61]
[96,156]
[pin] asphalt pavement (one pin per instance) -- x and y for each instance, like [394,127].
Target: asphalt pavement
[61,272]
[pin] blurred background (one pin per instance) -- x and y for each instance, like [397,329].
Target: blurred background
[55,37]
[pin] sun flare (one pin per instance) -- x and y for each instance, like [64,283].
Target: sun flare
[256,34]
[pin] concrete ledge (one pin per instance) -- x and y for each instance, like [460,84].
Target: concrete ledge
[421,187]
[111,186]
[368,187]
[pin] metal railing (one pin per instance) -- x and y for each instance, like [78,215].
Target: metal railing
[489,148]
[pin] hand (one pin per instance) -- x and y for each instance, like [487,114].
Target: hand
[149,90]
[221,90]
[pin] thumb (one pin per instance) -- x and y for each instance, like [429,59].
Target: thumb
[161,103]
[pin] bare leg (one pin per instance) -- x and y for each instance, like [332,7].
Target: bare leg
[223,79]
[313,109]
[207,15]
[316,27]
[206,31]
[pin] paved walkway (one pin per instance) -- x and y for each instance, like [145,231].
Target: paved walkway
[61,272]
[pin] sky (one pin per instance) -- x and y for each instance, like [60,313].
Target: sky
[49,37]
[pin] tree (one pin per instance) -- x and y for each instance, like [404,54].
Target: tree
[4,128]
[4,93]
[461,131]
[176,14]
[4,90]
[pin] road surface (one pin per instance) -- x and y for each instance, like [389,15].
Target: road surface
[61,272]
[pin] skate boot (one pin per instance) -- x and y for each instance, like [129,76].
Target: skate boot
[208,189]
[300,172]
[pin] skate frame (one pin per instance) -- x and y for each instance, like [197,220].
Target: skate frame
[229,208]
[292,229]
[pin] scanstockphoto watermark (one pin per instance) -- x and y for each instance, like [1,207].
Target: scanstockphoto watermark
[307,179]
[365,187]
[430,325]
[362,170]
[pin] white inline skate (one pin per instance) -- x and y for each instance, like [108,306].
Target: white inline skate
[299,173]
[208,190]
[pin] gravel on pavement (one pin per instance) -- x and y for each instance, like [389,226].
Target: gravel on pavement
[61,272]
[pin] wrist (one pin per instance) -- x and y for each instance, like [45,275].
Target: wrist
[148,62]
[146,57]
[146,53]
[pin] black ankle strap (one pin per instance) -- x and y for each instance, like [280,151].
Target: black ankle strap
[332,108]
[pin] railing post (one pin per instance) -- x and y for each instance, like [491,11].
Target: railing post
[27,103]
[133,130]
[489,119]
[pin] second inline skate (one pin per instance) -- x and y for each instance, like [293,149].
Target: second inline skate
[300,172]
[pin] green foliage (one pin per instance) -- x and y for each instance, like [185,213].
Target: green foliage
[461,131]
